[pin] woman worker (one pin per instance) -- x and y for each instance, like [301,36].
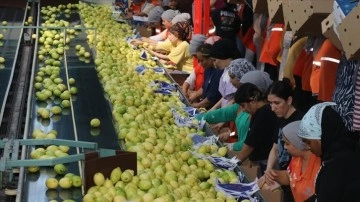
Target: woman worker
[166,17]
[303,168]
[323,130]
[258,141]
[179,54]
[280,97]
[234,113]
[209,94]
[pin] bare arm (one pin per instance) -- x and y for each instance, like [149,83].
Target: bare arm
[159,55]
[141,14]
[245,152]
[195,95]
[273,157]
[203,104]
[185,88]
[282,177]
[148,40]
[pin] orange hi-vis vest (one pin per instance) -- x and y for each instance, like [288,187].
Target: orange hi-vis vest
[323,76]
[272,45]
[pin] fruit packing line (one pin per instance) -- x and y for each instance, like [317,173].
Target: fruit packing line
[171,79]
[207,130]
[31,105]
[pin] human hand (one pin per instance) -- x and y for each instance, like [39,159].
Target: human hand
[217,127]
[230,146]
[136,42]
[224,136]
[270,176]
[191,96]
[195,105]
[262,182]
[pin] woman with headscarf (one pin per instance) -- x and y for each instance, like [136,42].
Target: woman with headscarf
[179,54]
[234,113]
[145,8]
[224,53]
[195,80]
[154,17]
[182,17]
[323,130]
[166,17]
[259,78]
[209,94]
[302,170]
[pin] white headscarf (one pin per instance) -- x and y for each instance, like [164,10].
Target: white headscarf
[310,127]
[181,18]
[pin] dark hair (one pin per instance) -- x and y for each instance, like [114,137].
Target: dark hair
[248,92]
[282,89]
[204,49]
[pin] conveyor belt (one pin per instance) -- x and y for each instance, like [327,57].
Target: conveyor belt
[90,100]
[74,124]
[11,40]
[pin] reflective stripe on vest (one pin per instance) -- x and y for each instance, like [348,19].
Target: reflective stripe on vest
[330,59]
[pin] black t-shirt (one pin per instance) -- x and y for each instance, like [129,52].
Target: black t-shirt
[226,21]
[262,125]
[283,156]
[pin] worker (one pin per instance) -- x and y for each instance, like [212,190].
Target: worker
[302,170]
[209,94]
[258,141]
[179,57]
[196,78]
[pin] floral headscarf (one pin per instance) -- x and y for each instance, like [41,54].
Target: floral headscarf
[181,30]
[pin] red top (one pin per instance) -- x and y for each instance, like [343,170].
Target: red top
[135,8]
[303,184]
[199,73]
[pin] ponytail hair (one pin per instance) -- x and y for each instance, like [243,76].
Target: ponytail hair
[282,89]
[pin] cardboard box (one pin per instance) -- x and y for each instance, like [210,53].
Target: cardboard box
[260,6]
[328,30]
[341,8]
[276,14]
[251,172]
[349,34]
[93,164]
[144,31]
[286,14]
[305,16]
[179,78]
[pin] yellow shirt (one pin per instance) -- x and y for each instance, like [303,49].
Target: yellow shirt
[165,45]
[180,55]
